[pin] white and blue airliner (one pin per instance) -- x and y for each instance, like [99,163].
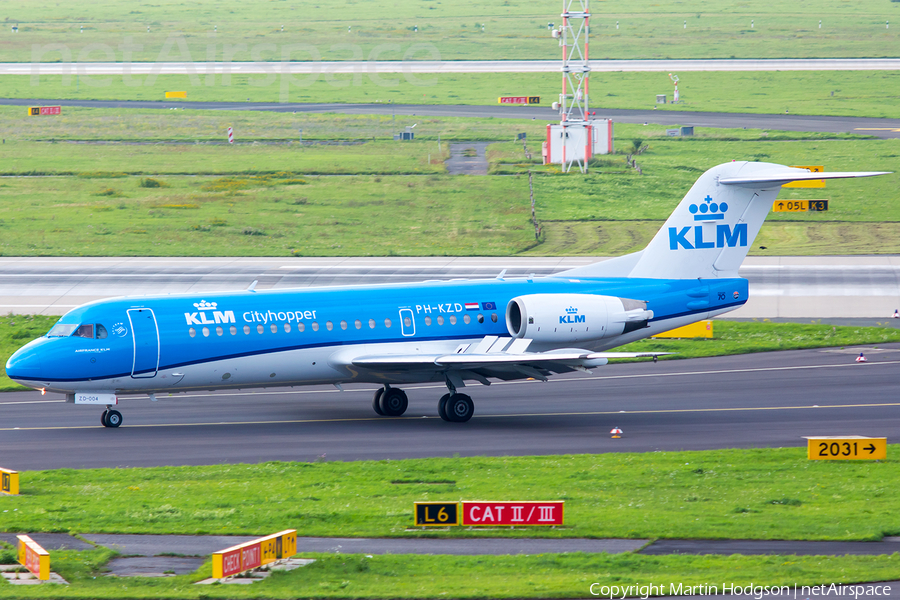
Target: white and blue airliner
[452,332]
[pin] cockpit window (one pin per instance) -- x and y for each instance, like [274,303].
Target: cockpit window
[85,331]
[61,330]
[101,332]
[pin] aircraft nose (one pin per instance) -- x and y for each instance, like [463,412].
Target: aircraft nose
[25,364]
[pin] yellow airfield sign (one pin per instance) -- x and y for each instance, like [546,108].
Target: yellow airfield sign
[811,183]
[790,206]
[800,205]
[850,447]
[700,329]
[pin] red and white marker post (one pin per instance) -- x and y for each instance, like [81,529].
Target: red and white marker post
[230,135]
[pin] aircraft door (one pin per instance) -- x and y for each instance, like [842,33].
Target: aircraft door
[407,322]
[145,334]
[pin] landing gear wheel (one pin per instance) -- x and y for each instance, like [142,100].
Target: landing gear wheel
[103,418]
[113,418]
[376,402]
[394,402]
[460,408]
[442,407]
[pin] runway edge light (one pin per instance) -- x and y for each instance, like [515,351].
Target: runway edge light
[847,447]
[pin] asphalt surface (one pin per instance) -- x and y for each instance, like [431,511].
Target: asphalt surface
[882,128]
[780,287]
[467,158]
[757,400]
[444,66]
[150,545]
[200,545]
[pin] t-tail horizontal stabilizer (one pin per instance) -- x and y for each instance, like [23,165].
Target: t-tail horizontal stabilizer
[709,233]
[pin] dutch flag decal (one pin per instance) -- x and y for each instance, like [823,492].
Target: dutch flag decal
[471,306]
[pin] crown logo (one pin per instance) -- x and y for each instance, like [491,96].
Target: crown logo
[710,211]
[571,310]
[204,305]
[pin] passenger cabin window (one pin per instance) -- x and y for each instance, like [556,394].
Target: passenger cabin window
[85,331]
[101,332]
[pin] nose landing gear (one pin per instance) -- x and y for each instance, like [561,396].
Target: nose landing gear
[111,418]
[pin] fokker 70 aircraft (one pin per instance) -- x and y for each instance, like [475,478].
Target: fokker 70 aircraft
[448,331]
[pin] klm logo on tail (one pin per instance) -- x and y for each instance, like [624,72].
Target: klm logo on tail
[708,211]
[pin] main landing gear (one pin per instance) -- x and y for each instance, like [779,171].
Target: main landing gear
[456,408]
[452,407]
[111,418]
[390,402]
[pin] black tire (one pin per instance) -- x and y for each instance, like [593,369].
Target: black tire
[103,418]
[376,402]
[394,402]
[460,408]
[113,418]
[442,407]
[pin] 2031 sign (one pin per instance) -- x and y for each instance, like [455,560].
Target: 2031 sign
[846,448]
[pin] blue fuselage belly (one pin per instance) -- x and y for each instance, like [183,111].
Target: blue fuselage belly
[298,326]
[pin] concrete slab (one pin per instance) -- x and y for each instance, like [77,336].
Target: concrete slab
[26,578]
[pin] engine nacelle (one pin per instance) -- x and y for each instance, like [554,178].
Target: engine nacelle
[567,318]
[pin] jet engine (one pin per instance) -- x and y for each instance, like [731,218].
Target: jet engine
[566,318]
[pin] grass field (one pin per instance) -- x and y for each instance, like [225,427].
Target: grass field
[512,29]
[740,494]
[270,196]
[846,93]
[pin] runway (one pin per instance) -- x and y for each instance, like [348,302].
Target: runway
[443,66]
[757,400]
[881,128]
[780,287]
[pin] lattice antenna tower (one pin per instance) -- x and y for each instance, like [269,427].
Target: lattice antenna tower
[575,42]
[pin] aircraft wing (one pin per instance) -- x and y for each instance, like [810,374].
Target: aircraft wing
[511,364]
[408,362]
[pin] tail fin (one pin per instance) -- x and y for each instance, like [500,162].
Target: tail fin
[715,224]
